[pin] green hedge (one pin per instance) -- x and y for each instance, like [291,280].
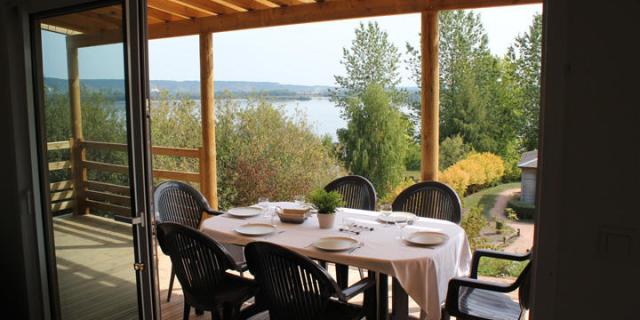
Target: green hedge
[524,211]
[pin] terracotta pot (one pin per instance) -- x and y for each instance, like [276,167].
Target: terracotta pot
[326,220]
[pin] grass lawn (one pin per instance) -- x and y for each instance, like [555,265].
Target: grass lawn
[487,197]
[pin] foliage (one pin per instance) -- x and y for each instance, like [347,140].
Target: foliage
[511,214]
[491,267]
[375,139]
[452,150]
[473,221]
[524,58]
[478,170]
[325,202]
[413,159]
[372,58]
[391,195]
[524,211]
[262,152]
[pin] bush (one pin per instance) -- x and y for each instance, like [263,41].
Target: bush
[523,210]
[391,195]
[500,268]
[473,222]
[478,170]
[413,158]
[452,150]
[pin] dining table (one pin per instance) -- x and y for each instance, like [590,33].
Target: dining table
[419,272]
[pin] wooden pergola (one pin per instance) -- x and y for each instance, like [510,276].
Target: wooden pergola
[174,18]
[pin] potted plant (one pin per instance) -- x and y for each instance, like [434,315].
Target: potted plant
[326,204]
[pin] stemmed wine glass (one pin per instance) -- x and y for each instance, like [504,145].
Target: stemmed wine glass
[386,210]
[401,221]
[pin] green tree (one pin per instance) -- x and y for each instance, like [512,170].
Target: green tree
[375,139]
[524,61]
[372,58]
[452,150]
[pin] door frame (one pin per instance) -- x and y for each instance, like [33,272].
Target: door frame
[138,142]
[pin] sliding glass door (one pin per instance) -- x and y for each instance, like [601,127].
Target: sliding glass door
[93,133]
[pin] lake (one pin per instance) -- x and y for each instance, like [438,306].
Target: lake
[321,113]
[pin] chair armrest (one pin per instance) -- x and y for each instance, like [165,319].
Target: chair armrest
[213,212]
[356,289]
[475,262]
[241,267]
[453,292]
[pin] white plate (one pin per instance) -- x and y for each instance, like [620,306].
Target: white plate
[426,238]
[335,243]
[255,229]
[244,212]
[394,216]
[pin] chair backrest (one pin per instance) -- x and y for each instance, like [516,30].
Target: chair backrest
[357,192]
[430,199]
[524,290]
[199,261]
[179,202]
[293,286]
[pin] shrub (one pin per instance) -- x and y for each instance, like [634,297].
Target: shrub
[413,158]
[452,150]
[500,268]
[523,210]
[478,170]
[473,222]
[325,202]
[391,195]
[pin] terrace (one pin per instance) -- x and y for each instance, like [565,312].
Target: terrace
[79,236]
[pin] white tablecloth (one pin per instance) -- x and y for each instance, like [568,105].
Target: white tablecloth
[424,273]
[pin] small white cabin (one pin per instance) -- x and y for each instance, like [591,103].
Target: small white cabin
[529,165]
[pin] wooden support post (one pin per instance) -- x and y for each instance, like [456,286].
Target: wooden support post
[77,151]
[208,167]
[430,121]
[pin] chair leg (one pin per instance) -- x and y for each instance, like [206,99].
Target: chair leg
[199,312]
[342,275]
[445,315]
[187,310]
[361,271]
[173,276]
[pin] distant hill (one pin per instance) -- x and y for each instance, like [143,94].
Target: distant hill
[192,88]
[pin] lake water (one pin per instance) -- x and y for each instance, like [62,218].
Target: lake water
[321,113]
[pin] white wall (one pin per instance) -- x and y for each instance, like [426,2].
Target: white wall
[587,241]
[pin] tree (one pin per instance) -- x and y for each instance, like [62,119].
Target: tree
[372,58]
[524,58]
[375,139]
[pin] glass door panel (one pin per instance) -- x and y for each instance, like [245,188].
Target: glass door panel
[85,117]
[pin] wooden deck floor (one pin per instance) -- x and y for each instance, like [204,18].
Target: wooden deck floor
[96,277]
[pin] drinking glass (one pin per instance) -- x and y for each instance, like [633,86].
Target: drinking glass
[386,210]
[401,221]
[263,202]
[299,200]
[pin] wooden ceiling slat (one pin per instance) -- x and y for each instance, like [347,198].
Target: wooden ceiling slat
[163,16]
[108,21]
[177,9]
[213,6]
[230,5]
[65,22]
[254,4]
[187,4]
[291,2]
[153,20]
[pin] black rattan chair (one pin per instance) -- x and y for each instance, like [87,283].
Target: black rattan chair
[430,199]
[200,264]
[357,192]
[180,203]
[473,299]
[296,288]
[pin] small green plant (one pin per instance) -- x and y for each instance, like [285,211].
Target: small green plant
[511,214]
[499,225]
[472,223]
[325,202]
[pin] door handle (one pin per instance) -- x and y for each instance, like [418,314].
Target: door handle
[130,220]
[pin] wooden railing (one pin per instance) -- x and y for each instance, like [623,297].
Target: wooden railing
[104,196]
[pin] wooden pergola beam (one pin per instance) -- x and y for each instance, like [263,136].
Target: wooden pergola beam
[430,97]
[317,12]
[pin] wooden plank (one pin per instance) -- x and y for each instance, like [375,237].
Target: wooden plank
[59,206]
[101,166]
[59,165]
[110,187]
[211,6]
[207,111]
[58,145]
[62,195]
[322,11]
[104,145]
[254,4]
[176,152]
[109,197]
[178,9]
[108,207]
[173,175]
[291,2]
[430,97]
[163,16]
[60,185]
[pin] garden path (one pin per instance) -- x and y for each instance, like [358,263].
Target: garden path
[524,242]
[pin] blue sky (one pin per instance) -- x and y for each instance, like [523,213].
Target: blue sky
[299,54]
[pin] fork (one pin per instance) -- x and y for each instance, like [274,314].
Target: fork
[355,248]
